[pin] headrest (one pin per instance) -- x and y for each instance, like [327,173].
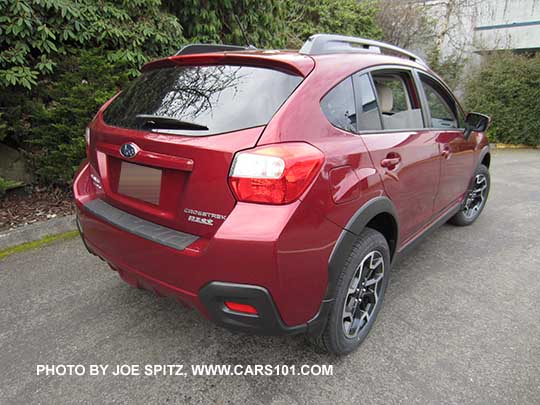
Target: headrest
[386,98]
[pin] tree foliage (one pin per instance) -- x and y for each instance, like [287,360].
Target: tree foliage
[61,59]
[346,17]
[216,21]
[35,33]
[507,87]
[423,28]
[405,23]
[449,67]
[51,123]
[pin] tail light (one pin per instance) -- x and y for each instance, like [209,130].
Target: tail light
[274,174]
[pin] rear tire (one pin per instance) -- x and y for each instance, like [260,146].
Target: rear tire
[475,200]
[358,296]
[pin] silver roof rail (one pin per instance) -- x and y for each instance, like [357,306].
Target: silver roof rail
[210,48]
[320,44]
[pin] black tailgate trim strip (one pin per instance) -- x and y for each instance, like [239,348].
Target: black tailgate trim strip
[140,227]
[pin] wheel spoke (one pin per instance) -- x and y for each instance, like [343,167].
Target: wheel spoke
[480,189]
[347,326]
[378,277]
[376,294]
[375,262]
[365,316]
[356,280]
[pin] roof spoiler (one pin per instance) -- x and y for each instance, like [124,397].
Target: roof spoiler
[210,48]
[300,67]
[320,44]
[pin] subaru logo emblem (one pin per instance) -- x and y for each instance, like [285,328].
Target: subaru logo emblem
[129,150]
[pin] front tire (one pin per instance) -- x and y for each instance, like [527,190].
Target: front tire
[476,198]
[359,294]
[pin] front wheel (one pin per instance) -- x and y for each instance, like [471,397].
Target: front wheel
[359,294]
[475,201]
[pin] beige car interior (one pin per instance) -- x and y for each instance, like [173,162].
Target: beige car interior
[409,118]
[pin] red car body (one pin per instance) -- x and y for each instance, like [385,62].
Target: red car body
[276,258]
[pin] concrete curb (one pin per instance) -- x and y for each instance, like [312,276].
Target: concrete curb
[512,146]
[36,231]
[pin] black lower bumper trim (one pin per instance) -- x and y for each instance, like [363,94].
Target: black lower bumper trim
[267,322]
[140,227]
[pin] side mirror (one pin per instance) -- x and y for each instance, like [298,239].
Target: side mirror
[476,122]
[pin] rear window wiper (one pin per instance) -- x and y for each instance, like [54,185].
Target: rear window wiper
[157,121]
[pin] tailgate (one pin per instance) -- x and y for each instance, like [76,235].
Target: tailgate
[177,182]
[164,146]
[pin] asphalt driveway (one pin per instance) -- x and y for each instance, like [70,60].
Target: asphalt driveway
[461,323]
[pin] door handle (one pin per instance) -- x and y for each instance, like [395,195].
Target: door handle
[446,153]
[390,162]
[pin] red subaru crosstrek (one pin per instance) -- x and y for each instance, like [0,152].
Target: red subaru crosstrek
[273,190]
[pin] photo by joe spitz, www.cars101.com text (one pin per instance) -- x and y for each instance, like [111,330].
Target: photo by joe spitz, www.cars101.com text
[273,190]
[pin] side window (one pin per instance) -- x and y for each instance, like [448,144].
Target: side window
[399,105]
[366,104]
[338,106]
[442,107]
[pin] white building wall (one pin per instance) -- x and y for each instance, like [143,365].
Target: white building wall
[487,25]
[508,24]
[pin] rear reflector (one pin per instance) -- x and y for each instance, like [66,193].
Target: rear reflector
[274,174]
[244,308]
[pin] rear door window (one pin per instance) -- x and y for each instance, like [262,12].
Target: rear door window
[201,100]
[400,108]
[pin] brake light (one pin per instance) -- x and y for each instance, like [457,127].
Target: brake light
[238,307]
[274,174]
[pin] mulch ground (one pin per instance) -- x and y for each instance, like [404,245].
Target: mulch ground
[18,209]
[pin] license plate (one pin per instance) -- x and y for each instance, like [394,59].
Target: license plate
[140,182]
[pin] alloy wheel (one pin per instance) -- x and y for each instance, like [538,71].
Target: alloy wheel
[363,294]
[477,197]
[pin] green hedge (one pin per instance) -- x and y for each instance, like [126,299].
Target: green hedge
[61,59]
[346,17]
[49,121]
[216,21]
[35,33]
[507,87]
[55,118]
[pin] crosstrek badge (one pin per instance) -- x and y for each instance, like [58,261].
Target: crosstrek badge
[202,217]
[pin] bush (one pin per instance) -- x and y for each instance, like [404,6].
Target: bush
[34,34]
[51,124]
[216,22]
[345,17]
[61,59]
[450,68]
[507,87]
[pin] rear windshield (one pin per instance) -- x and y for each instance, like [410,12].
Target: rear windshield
[202,100]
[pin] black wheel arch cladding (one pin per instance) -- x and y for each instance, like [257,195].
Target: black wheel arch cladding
[355,226]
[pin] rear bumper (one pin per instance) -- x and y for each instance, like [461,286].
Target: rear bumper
[210,299]
[266,266]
